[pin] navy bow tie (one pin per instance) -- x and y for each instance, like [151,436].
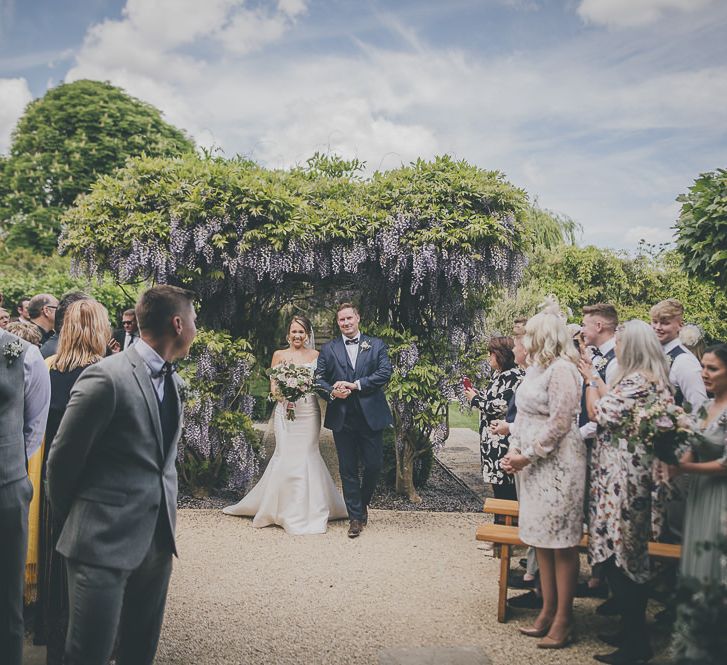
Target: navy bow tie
[167,368]
[351,341]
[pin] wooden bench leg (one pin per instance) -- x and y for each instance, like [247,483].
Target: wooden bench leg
[504,572]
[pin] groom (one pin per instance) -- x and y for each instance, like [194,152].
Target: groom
[352,372]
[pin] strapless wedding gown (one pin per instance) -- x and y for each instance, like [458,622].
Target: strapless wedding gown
[296,491]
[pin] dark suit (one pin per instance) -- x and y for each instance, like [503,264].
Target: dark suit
[357,421]
[112,482]
[120,336]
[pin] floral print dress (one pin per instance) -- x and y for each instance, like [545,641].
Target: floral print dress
[493,406]
[626,506]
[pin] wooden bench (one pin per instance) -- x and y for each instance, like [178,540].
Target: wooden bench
[507,536]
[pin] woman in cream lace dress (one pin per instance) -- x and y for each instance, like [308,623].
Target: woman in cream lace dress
[547,452]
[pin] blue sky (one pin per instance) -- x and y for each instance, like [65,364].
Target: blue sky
[603,110]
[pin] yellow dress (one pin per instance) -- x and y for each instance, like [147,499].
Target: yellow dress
[35,465]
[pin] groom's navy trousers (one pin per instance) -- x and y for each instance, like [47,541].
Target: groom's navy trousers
[358,443]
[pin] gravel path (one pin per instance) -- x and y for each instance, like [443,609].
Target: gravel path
[244,595]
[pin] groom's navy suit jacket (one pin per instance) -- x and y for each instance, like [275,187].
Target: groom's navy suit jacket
[372,371]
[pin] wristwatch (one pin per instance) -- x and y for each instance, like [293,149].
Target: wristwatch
[593,384]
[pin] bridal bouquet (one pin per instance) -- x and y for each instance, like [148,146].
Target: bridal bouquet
[292,382]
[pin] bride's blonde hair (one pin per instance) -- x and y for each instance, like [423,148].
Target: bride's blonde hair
[546,336]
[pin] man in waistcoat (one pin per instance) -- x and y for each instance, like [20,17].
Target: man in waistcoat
[113,482]
[352,371]
[598,337]
[685,374]
[24,399]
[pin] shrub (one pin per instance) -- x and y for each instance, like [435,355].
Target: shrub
[218,444]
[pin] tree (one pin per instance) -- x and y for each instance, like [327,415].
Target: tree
[549,229]
[586,275]
[24,273]
[63,143]
[702,228]
[414,247]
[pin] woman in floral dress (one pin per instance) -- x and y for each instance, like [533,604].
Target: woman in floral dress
[626,510]
[547,450]
[492,404]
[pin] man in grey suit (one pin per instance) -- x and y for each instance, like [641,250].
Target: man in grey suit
[113,482]
[24,399]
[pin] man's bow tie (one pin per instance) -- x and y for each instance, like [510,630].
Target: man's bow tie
[352,341]
[595,351]
[167,368]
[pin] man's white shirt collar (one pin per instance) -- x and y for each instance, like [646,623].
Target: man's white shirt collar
[607,346]
[154,362]
[671,345]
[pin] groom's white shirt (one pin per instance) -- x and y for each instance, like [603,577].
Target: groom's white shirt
[352,351]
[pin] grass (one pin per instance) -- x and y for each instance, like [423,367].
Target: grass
[469,418]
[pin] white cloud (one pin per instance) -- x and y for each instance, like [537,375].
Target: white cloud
[634,13]
[567,123]
[653,235]
[251,29]
[14,97]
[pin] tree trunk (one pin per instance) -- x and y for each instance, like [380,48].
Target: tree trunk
[405,469]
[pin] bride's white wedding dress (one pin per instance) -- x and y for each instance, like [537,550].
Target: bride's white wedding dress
[296,491]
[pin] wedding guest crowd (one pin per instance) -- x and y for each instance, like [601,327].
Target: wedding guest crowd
[556,433]
[74,334]
[624,372]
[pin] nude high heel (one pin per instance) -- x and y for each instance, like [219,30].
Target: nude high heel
[536,632]
[549,643]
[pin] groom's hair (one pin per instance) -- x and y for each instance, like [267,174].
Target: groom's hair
[347,305]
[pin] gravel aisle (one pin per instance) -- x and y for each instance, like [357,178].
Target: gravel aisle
[244,595]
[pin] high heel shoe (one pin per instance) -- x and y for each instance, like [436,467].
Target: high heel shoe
[549,643]
[535,632]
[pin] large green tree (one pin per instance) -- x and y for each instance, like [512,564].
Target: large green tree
[63,143]
[702,228]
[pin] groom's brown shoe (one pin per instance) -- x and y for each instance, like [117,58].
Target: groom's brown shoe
[354,528]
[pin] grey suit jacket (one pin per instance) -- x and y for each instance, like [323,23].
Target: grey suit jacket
[108,474]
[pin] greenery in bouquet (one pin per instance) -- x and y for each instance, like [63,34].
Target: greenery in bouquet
[291,382]
[660,425]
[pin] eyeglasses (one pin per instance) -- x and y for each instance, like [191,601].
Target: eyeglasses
[51,306]
[127,323]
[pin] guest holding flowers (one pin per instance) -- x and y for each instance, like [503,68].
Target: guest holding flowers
[626,511]
[547,451]
[492,404]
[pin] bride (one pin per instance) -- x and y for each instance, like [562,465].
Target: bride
[296,491]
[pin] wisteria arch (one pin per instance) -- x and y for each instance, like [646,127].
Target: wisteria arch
[417,247]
